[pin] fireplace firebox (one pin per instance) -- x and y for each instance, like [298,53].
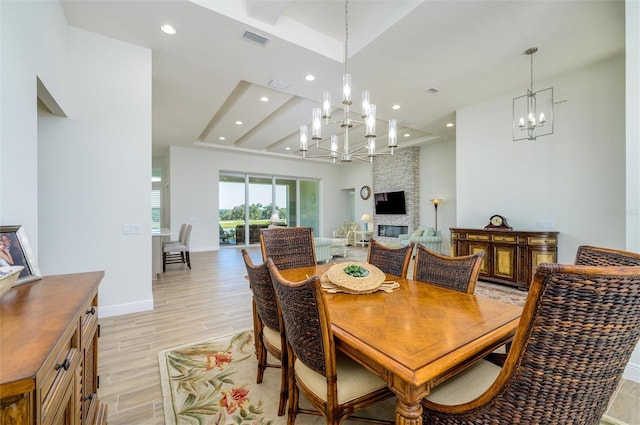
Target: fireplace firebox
[391,231]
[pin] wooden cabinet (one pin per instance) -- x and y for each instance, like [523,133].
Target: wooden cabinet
[48,352]
[510,256]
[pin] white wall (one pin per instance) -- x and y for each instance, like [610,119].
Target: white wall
[73,182]
[194,178]
[575,177]
[438,180]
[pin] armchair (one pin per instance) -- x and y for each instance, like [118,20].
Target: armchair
[345,231]
[426,236]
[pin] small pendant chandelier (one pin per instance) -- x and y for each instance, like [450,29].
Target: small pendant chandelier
[364,153]
[533,112]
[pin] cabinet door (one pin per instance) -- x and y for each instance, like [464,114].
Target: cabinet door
[89,361]
[474,247]
[505,263]
[539,255]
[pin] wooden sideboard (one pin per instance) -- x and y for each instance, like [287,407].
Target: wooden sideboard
[49,352]
[511,256]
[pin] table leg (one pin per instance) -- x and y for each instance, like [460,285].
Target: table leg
[408,414]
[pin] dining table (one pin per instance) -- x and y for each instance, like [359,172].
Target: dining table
[415,336]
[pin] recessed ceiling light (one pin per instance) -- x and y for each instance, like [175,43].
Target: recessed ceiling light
[168,29]
[264,99]
[396,107]
[222,138]
[407,135]
[287,148]
[310,77]
[238,122]
[450,124]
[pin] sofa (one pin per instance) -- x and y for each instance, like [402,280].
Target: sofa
[323,249]
[427,236]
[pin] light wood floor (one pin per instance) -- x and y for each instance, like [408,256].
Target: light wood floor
[212,299]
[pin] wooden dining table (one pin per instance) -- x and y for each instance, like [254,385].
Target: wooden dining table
[416,336]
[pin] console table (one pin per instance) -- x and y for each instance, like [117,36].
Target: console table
[510,257]
[362,237]
[49,352]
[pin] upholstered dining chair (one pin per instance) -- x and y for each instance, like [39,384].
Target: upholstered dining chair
[578,329]
[288,247]
[266,326]
[458,273]
[183,227]
[391,260]
[177,252]
[334,384]
[596,256]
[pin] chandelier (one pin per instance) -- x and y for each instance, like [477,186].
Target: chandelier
[533,112]
[365,152]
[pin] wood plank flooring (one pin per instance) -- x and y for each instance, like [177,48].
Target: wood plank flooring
[212,299]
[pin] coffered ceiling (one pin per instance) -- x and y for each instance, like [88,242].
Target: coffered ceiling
[429,57]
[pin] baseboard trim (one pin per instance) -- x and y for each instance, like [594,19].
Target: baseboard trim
[632,372]
[120,309]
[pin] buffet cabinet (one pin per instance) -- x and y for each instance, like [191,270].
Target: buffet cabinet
[49,352]
[510,257]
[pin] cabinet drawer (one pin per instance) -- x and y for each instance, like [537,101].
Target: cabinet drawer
[542,241]
[58,372]
[89,321]
[502,238]
[473,237]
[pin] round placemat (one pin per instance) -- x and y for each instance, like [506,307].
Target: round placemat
[357,285]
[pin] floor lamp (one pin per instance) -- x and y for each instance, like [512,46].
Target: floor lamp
[436,201]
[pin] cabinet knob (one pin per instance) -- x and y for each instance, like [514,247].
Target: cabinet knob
[88,397]
[66,364]
[92,311]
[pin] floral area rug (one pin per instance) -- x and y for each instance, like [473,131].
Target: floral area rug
[214,382]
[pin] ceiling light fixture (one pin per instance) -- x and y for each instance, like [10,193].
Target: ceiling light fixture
[168,29]
[533,112]
[368,119]
[395,107]
[449,124]
[310,77]
[264,99]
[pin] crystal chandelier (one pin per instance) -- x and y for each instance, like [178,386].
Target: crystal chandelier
[365,152]
[533,112]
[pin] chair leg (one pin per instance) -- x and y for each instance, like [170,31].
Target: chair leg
[188,260]
[164,262]
[284,383]
[293,399]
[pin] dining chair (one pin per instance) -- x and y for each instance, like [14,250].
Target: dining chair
[391,260]
[288,247]
[578,329]
[596,256]
[266,326]
[177,252]
[333,383]
[183,227]
[458,273]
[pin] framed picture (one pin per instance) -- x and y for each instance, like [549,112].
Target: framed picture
[16,251]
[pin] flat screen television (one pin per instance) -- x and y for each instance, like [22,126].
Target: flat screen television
[390,203]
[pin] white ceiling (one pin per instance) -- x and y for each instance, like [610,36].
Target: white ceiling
[206,77]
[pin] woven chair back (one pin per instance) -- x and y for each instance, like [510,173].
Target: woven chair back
[458,273]
[263,293]
[595,256]
[304,316]
[391,260]
[578,329]
[288,247]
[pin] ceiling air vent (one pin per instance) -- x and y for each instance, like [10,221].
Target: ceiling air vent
[278,84]
[248,35]
[433,90]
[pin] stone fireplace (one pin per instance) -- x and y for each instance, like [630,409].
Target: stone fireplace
[393,173]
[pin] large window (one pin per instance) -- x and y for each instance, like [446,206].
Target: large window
[251,202]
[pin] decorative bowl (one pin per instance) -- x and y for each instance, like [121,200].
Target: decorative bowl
[8,277]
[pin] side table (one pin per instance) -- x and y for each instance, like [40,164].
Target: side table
[362,237]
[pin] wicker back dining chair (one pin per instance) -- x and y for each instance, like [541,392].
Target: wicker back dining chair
[391,260]
[458,273]
[596,256]
[578,329]
[266,326]
[288,247]
[334,384]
